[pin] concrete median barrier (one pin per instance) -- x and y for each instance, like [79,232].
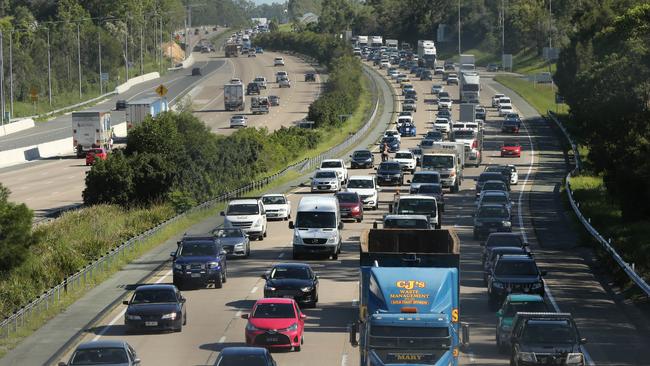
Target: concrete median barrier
[135,81]
[119,130]
[62,147]
[16,126]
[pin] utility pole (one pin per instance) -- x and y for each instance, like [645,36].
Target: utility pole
[459,50]
[550,23]
[126,50]
[49,68]
[161,46]
[11,74]
[99,43]
[79,58]
[187,37]
[503,29]
[2,81]
[141,46]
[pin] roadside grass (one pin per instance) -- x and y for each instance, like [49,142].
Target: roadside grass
[482,58]
[286,27]
[540,96]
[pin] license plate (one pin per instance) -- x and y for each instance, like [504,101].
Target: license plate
[272,339]
[195,275]
[151,324]
[288,297]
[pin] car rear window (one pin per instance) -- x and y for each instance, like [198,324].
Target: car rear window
[275,311]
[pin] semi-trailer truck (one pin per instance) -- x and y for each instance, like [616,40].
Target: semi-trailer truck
[138,110]
[91,129]
[233,97]
[376,42]
[392,44]
[409,298]
[362,41]
[469,86]
[427,53]
[231,50]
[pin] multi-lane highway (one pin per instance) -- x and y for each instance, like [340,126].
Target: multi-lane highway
[54,184]
[214,315]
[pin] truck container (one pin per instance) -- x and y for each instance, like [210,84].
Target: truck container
[467,112]
[392,44]
[232,50]
[362,41]
[447,158]
[91,129]
[233,97]
[427,53]
[469,86]
[138,110]
[376,41]
[409,298]
[467,62]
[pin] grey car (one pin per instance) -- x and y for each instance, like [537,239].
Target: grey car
[103,352]
[491,218]
[234,241]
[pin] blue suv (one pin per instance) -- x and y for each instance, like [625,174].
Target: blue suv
[199,260]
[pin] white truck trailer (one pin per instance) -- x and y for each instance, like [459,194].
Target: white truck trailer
[467,62]
[362,41]
[138,110]
[469,86]
[427,53]
[447,158]
[234,97]
[376,41]
[392,44]
[91,129]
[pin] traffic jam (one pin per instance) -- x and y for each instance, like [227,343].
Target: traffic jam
[394,209]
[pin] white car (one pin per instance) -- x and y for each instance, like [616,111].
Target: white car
[235,81]
[495,99]
[336,165]
[406,160]
[403,119]
[238,121]
[278,61]
[444,102]
[384,65]
[284,83]
[505,109]
[277,206]
[366,187]
[503,101]
[247,214]
[261,81]
[436,88]
[409,105]
[441,124]
[514,176]
[395,133]
[281,75]
[325,181]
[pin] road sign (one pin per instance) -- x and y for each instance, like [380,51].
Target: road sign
[33,92]
[104,76]
[161,90]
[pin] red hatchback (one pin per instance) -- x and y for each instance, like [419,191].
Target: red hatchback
[511,149]
[350,205]
[95,155]
[275,323]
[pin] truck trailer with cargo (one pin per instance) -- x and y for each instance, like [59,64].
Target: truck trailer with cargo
[138,110]
[91,129]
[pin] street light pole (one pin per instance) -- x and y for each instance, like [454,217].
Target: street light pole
[79,58]
[141,46]
[126,50]
[99,57]
[2,81]
[11,74]
[49,68]
[459,27]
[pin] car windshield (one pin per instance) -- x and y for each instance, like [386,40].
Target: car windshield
[274,200]
[228,233]
[493,212]
[504,241]
[495,198]
[434,135]
[154,296]
[389,166]
[405,224]
[99,356]
[464,134]
[495,186]
[516,268]
[316,220]
[197,249]
[445,99]
[411,206]
[243,209]
[524,306]
[348,197]
[360,183]
[552,332]
[403,156]
[237,117]
[426,178]
[325,174]
[239,360]
[301,273]
[390,139]
[362,154]
[274,311]
[430,189]
[511,144]
[438,161]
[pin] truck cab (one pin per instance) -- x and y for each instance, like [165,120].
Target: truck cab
[417,205]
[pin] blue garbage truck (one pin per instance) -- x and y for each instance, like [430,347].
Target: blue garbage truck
[409,298]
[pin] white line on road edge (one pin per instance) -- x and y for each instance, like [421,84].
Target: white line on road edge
[254,290]
[121,314]
[523,231]
[222,339]
[344,359]
[238,314]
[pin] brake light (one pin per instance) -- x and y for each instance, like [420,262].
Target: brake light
[474,144]
[409,310]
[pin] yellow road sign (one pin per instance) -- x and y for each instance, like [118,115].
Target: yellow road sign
[161,90]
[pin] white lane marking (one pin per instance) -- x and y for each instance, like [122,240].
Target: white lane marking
[238,314]
[222,339]
[344,359]
[281,255]
[121,314]
[254,290]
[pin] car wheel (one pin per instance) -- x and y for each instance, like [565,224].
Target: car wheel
[335,256]
[185,319]
[218,283]
[248,250]
[225,275]
[296,348]
[360,219]
[264,232]
[260,238]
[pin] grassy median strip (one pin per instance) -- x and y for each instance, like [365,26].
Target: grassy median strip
[540,96]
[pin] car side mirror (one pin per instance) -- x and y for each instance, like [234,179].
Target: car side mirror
[475,180]
[291,226]
[125,302]
[375,168]
[136,361]
[179,243]
[172,254]
[543,273]
[244,316]
[222,213]
[408,181]
[264,275]
[223,252]
[583,340]
[183,300]
[500,314]
[303,316]
[525,245]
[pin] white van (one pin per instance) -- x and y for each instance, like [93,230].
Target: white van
[318,226]
[247,214]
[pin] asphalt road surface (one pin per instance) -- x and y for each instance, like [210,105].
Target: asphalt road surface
[214,314]
[49,185]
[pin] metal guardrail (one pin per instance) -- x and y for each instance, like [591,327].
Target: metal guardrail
[87,275]
[586,222]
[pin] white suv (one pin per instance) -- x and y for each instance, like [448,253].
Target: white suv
[406,160]
[338,166]
[277,206]
[247,214]
[366,187]
[278,61]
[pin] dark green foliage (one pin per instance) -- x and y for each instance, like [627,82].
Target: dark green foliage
[344,83]
[15,231]
[110,181]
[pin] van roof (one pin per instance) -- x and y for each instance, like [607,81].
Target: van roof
[244,201]
[361,177]
[317,203]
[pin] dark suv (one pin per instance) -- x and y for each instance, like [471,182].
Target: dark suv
[390,173]
[513,273]
[199,260]
[362,159]
[490,218]
[253,88]
[545,339]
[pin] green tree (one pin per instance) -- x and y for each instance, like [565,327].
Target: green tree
[336,16]
[15,231]
[110,181]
